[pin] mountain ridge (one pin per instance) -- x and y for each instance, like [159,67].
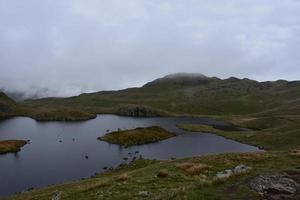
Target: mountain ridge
[176,95]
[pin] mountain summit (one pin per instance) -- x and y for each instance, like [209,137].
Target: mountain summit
[185,75]
[182,79]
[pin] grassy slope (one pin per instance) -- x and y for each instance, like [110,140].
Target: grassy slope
[270,133]
[184,96]
[137,136]
[8,107]
[198,128]
[181,183]
[11,146]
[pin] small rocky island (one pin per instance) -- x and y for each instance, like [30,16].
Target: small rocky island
[137,136]
[11,146]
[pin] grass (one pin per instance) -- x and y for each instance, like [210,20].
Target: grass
[142,175]
[137,136]
[63,115]
[198,128]
[269,133]
[11,146]
[8,108]
[192,168]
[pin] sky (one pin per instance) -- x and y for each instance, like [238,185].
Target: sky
[66,47]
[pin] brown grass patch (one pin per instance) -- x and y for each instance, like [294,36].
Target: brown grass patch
[8,146]
[192,168]
[93,185]
[185,165]
[163,173]
[123,177]
[295,152]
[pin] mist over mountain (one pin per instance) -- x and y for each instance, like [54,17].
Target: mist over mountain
[20,94]
[121,45]
[175,94]
[180,79]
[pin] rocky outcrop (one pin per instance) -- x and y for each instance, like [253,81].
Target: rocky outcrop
[240,169]
[139,111]
[281,186]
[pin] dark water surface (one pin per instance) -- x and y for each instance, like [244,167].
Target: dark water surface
[57,150]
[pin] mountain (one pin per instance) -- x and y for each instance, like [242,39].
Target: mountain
[181,79]
[8,107]
[178,94]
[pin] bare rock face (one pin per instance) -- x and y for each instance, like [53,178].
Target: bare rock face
[276,186]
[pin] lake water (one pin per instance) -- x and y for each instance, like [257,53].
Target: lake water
[57,150]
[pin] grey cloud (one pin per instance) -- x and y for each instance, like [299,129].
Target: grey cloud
[77,46]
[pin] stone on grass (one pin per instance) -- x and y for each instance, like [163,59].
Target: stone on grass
[224,174]
[144,193]
[241,169]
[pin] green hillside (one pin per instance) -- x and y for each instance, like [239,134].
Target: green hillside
[8,107]
[181,94]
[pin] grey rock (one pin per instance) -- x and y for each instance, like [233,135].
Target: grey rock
[224,174]
[241,169]
[144,193]
[275,186]
[228,172]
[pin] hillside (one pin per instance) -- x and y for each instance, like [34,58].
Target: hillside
[8,107]
[180,94]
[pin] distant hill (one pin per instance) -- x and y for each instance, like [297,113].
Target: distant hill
[181,94]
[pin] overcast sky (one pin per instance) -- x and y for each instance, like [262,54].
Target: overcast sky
[65,47]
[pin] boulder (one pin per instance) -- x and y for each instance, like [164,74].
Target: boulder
[275,186]
[224,174]
[144,193]
[241,169]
